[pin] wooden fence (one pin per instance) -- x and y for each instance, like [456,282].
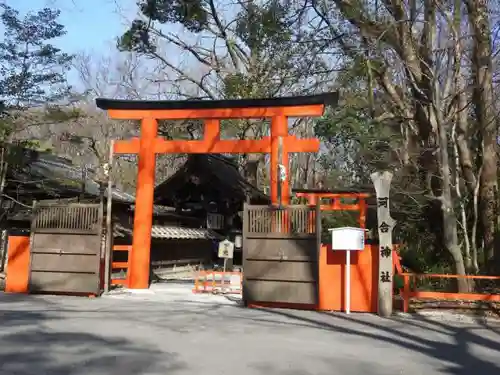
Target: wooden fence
[120,265]
[218,282]
[409,290]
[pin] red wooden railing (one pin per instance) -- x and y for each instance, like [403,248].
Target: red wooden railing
[121,265]
[206,282]
[407,292]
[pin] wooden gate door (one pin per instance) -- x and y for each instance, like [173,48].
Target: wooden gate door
[280,254]
[65,248]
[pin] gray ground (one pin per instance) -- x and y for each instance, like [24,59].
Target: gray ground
[70,336]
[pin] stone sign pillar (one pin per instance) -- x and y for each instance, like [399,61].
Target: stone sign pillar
[382,183]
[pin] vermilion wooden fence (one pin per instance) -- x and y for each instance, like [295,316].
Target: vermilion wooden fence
[215,281]
[407,292]
[121,265]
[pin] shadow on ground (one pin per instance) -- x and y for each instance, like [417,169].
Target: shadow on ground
[38,336]
[29,346]
[458,350]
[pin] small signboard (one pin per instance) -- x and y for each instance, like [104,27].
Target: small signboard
[348,238]
[226,249]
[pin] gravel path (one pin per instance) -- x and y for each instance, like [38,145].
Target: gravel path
[174,334]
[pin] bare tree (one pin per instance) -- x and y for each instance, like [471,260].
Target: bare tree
[86,139]
[484,109]
[220,50]
[418,58]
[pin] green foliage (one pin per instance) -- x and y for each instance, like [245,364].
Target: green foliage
[336,219]
[32,68]
[32,81]
[266,33]
[190,13]
[238,85]
[261,26]
[256,26]
[136,39]
[357,144]
[5,127]
[261,56]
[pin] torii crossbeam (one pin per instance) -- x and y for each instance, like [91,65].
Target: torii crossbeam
[279,145]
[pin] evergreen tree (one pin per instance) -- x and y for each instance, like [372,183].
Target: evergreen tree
[32,68]
[32,81]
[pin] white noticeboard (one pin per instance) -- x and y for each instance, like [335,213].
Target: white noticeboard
[348,239]
[226,249]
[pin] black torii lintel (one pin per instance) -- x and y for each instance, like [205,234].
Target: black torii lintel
[327,99]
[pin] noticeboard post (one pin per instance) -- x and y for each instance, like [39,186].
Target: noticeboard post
[226,251]
[347,239]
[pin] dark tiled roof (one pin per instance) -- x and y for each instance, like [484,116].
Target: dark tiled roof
[164,231]
[171,232]
[159,210]
[216,172]
[42,173]
[57,177]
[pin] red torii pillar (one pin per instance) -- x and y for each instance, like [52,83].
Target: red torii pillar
[149,144]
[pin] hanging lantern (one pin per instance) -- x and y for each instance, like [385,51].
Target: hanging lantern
[238,241]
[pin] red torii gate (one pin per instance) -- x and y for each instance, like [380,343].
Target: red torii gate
[279,145]
[335,203]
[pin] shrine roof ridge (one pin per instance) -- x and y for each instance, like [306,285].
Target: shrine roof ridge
[326,99]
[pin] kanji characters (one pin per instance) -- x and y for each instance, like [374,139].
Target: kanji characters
[385,252]
[385,277]
[384,227]
[382,202]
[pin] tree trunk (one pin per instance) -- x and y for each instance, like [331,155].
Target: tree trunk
[450,236]
[483,101]
[251,170]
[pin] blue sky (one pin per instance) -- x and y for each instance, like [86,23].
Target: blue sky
[91,25]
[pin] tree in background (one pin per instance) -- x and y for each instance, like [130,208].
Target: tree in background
[33,83]
[216,50]
[417,98]
[426,69]
[86,139]
[33,69]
